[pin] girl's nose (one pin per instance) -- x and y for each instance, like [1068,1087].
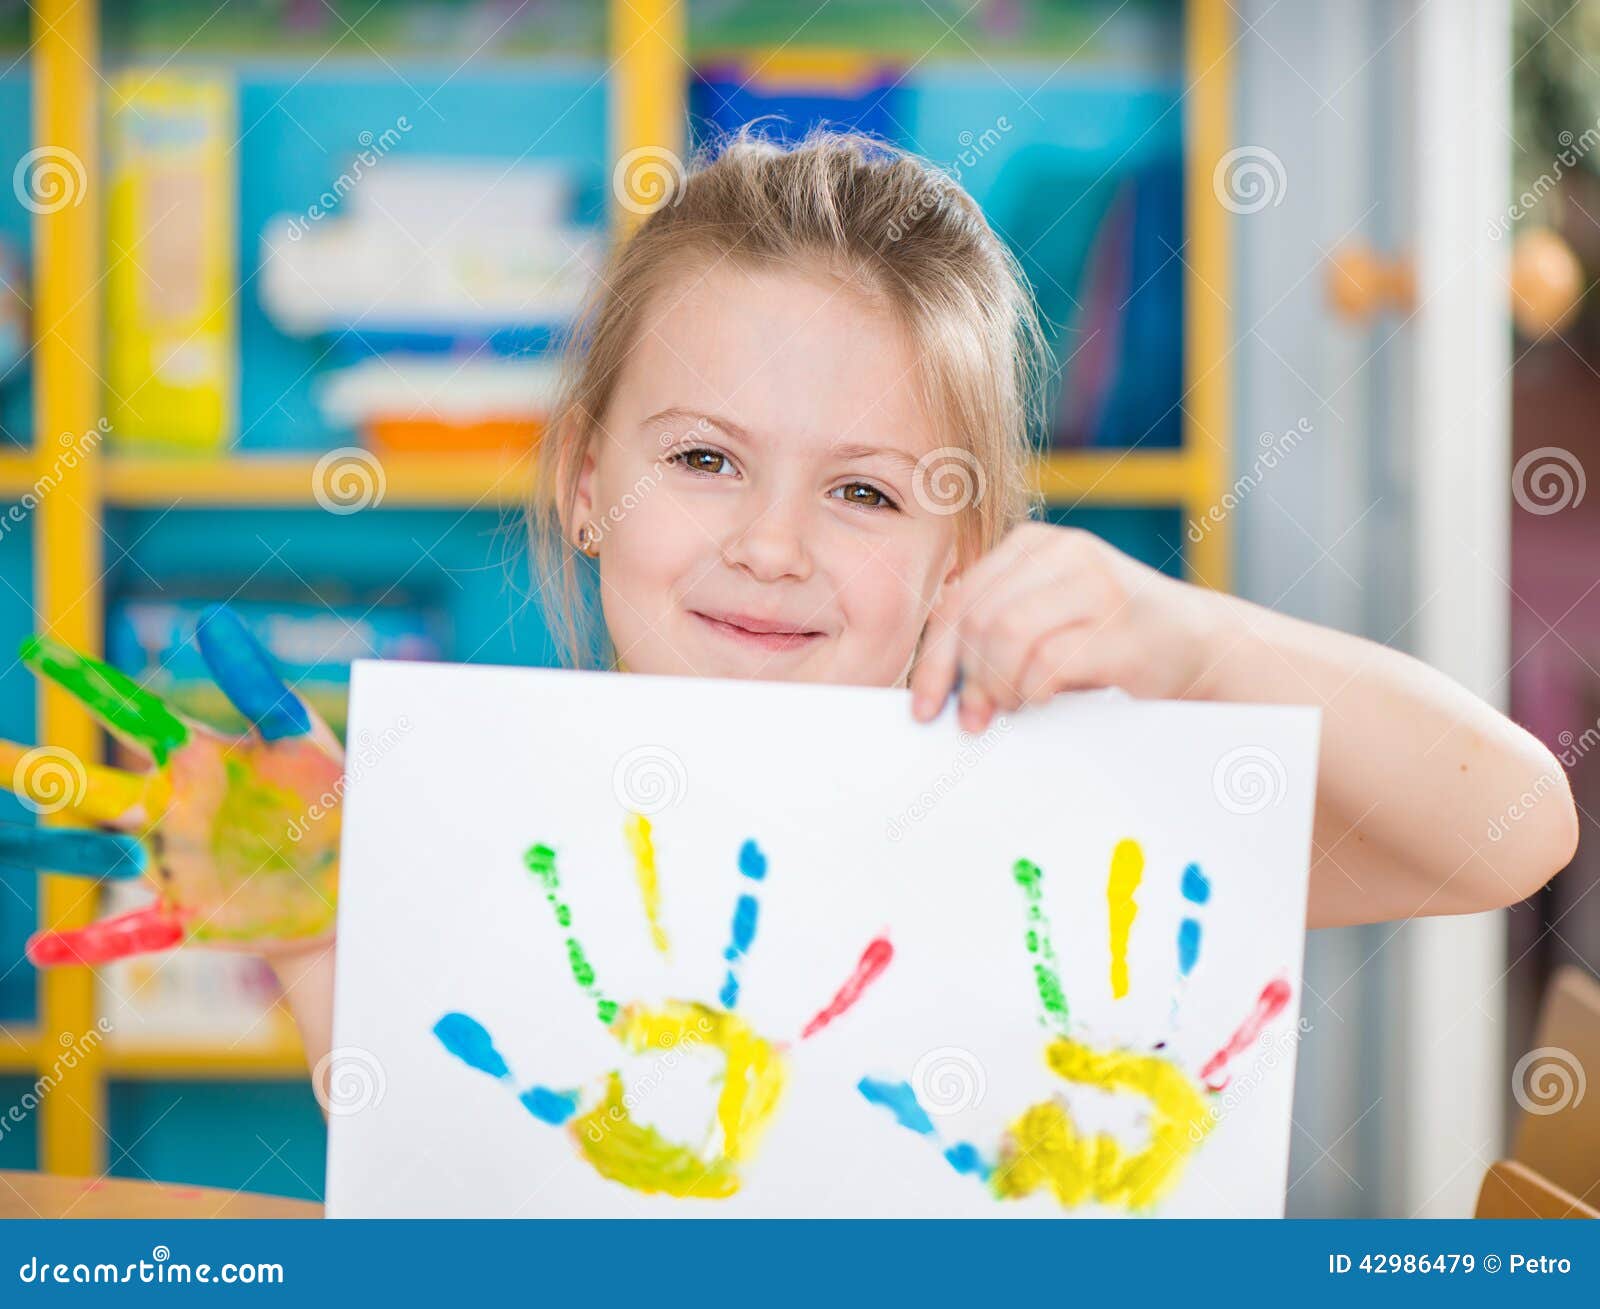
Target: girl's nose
[771,543]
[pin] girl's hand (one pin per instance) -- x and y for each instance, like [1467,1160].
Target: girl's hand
[1055,609]
[239,835]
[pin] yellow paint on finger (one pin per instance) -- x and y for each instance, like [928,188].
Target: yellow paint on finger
[1127,867]
[96,794]
[1044,1148]
[637,830]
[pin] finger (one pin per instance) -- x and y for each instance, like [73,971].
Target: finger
[72,850]
[245,672]
[140,931]
[49,778]
[1065,661]
[976,709]
[1003,631]
[111,695]
[934,677]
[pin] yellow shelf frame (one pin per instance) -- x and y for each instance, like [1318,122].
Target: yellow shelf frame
[1156,477]
[648,41]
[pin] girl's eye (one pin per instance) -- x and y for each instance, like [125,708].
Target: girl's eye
[866,495]
[698,460]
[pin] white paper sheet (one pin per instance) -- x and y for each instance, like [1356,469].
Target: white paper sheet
[871,827]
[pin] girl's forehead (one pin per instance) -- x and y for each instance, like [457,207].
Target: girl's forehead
[780,353]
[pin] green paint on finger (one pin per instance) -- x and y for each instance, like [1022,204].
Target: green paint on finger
[114,697]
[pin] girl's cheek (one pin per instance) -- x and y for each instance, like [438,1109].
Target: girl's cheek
[888,599]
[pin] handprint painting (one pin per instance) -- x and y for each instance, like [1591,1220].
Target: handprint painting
[633,946]
[752,1068]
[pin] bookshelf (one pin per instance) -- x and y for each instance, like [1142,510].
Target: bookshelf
[646,88]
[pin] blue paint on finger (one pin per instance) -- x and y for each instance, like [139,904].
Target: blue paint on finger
[106,855]
[245,673]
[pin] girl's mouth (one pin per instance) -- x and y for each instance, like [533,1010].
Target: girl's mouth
[761,633]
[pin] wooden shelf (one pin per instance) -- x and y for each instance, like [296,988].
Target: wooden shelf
[411,481]
[19,1049]
[1129,477]
[215,1061]
[16,474]
[1133,477]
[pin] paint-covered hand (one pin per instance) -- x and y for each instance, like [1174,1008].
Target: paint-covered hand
[1057,609]
[238,835]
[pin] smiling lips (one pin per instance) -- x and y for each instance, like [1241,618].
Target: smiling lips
[761,633]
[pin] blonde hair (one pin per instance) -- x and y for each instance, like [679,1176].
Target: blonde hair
[889,224]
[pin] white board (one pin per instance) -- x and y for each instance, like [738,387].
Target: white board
[871,828]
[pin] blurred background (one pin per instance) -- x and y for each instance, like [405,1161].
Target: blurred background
[279,282]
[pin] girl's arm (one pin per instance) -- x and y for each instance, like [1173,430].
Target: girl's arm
[1418,779]
[1428,800]
[306,977]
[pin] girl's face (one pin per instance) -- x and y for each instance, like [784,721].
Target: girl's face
[753,483]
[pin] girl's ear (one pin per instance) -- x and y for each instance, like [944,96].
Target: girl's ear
[954,562]
[583,497]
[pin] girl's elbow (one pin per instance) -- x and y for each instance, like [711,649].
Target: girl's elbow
[1535,841]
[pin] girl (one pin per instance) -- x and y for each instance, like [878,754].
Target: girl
[793,446]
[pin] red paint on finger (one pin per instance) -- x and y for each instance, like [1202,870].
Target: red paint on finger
[140,932]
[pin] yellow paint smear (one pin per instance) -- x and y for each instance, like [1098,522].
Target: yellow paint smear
[92,792]
[1127,867]
[1044,1147]
[636,1154]
[637,830]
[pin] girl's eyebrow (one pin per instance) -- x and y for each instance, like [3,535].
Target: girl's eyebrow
[677,414]
[847,452]
[893,454]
